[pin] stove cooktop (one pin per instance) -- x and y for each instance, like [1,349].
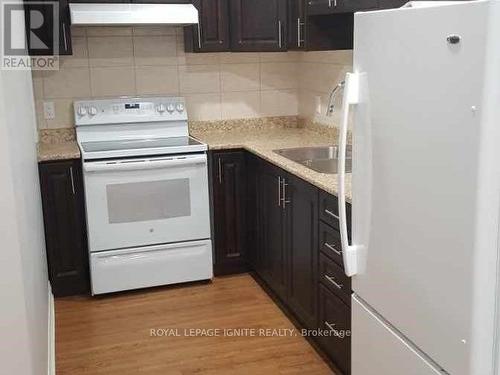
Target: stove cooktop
[133,127]
[135,144]
[140,147]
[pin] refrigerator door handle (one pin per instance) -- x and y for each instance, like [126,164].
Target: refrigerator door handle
[351,97]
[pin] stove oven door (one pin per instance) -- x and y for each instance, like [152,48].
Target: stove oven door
[146,201]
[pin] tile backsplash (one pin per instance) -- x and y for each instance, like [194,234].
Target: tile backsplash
[116,61]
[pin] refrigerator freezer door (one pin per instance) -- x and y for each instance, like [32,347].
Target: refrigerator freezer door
[425,133]
[379,349]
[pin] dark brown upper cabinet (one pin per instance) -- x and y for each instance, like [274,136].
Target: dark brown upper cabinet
[135,1]
[318,7]
[296,24]
[162,1]
[258,25]
[44,33]
[228,191]
[212,32]
[65,230]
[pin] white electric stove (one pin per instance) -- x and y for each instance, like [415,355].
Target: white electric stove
[146,190]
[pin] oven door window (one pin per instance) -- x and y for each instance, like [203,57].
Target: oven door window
[146,201]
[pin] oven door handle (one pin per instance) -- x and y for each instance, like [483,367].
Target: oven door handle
[141,164]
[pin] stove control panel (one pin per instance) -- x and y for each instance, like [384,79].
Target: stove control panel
[129,110]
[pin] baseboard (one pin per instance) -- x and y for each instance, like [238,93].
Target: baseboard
[51,324]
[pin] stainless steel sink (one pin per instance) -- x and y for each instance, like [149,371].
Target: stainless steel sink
[321,159]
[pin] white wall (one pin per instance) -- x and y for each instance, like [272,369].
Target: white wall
[23,274]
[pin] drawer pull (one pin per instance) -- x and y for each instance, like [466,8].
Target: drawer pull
[233,255]
[330,326]
[338,252]
[328,212]
[333,282]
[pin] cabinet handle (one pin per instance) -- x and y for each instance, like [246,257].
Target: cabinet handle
[283,194]
[330,326]
[279,191]
[333,282]
[330,213]
[199,35]
[64,37]
[338,252]
[330,3]
[298,32]
[72,180]
[279,35]
[233,255]
[219,170]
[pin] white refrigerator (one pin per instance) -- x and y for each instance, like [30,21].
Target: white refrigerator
[424,103]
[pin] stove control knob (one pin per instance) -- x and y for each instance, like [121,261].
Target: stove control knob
[161,108]
[170,108]
[180,107]
[82,111]
[92,111]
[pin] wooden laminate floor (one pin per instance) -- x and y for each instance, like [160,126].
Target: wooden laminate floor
[112,334]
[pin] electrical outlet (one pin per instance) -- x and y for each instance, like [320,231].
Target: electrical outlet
[317,104]
[49,110]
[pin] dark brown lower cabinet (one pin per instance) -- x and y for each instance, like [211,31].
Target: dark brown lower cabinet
[272,254]
[252,230]
[335,317]
[286,238]
[229,186]
[301,208]
[291,242]
[65,228]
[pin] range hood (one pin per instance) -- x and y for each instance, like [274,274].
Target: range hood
[119,14]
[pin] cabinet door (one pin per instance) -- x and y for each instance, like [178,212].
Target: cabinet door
[162,1]
[65,47]
[296,24]
[44,33]
[272,251]
[302,245]
[258,25]
[212,32]
[335,318]
[229,211]
[252,210]
[100,1]
[65,231]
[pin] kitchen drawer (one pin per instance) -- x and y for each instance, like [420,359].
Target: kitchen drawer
[334,278]
[329,209]
[335,316]
[330,244]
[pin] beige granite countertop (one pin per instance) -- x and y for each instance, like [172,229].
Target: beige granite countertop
[263,142]
[259,136]
[58,151]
